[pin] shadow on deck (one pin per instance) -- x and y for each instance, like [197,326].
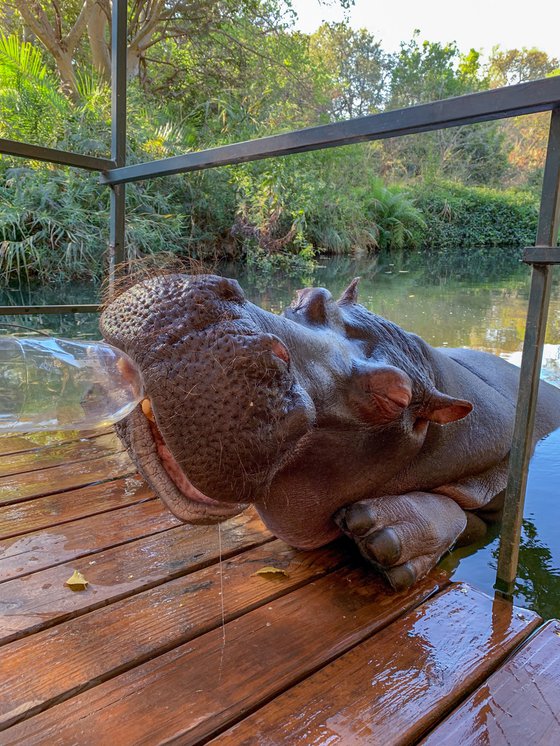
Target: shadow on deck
[170,644]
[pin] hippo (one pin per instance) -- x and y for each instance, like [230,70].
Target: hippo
[328,418]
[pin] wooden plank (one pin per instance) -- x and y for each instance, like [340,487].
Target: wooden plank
[68,453]
[35,441]
[519,704]
[193,690]
[22,555]
[41,600]
[396,685]
[45,512]
[50,666]
[60,478]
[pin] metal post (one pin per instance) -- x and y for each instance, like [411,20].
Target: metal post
[547,235]
[118,135]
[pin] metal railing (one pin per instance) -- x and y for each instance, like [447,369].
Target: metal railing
[512,101]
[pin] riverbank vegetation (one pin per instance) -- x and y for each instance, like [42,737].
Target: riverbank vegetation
[207,72]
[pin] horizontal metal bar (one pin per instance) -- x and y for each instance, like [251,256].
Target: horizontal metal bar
[541,255]
[22,310]
[525,98]
[52,155]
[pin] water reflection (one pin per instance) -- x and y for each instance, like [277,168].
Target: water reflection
[471,299]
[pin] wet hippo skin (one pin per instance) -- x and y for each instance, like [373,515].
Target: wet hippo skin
[327,418]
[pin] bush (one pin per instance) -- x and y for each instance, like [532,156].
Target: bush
[459,217]
[327,202]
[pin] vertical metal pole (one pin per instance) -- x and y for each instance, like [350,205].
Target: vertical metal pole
[118,135]
[547,235]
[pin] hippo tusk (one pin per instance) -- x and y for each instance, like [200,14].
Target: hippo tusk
[146,405]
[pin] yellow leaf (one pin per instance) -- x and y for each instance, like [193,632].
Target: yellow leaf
[269,570]
[77,582]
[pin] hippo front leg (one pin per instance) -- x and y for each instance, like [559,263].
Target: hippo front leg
[403,536]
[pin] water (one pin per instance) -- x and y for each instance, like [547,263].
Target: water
[474,299]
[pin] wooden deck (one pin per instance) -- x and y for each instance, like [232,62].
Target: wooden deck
[168,644]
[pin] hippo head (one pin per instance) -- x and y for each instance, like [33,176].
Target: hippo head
[244,406]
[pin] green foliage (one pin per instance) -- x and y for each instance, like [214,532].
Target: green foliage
[429,71]
[508,67]
[399,222]
[324,202]
[355,67]
[54,223]
[243,74]
[45,223]
[32,107]
[459,217]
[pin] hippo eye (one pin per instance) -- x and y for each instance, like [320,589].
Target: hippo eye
[313,303]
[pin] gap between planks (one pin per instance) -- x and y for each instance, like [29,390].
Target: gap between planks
[395,685]
[68,542]
[518,704]
[11,444]
[42,513]
[56,479]
[55,455]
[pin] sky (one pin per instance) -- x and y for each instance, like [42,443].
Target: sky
[471,23]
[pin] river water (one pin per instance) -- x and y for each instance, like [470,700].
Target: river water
[475,299]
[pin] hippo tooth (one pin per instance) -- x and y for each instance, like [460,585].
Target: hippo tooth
[147,409]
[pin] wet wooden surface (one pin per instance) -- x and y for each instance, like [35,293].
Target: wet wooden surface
[395,685]
[179,639]
[519,704]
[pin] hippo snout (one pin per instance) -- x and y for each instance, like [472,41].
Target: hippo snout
[224,404]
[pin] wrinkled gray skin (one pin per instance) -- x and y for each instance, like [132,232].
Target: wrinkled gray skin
[326,418]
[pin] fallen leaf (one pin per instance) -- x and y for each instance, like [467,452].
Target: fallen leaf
[77,582]
[269,570]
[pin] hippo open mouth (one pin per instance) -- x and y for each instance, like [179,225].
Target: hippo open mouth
[162,471]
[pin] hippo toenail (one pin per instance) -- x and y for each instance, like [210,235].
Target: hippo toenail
[384,547]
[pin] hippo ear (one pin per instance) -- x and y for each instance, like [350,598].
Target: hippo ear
[350,295]
[443,409]
[379,394]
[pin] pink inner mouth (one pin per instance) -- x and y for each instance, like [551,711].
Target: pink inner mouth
[174,471]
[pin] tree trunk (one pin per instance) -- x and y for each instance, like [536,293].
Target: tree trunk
[67,75]
[133,56]
[100,54]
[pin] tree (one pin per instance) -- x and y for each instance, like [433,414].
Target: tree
[59,32]
[526,137]
[61,26]
[511,66]
[430,71]
[357,66]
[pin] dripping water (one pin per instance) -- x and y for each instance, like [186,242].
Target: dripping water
[222,606]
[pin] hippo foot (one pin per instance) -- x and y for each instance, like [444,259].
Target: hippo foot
[403,536]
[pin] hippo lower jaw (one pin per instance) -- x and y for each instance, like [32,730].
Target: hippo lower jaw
[160,469]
